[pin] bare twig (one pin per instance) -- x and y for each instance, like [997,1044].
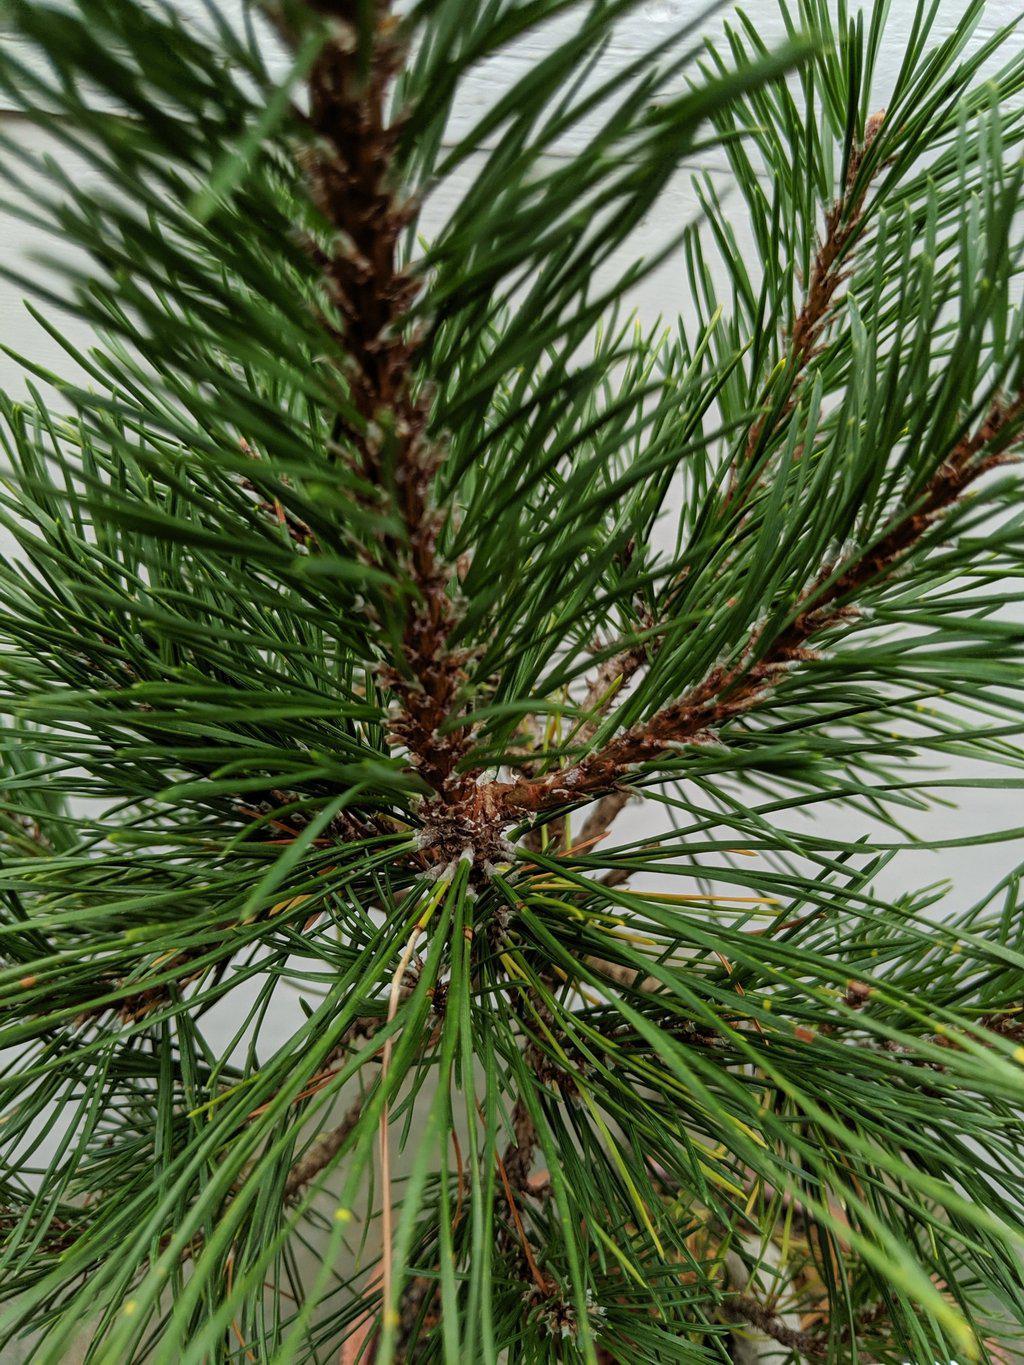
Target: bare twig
[330,1142]
[812,1342]
[605,812]
[518,1156]
[749,1309]
[539,1280]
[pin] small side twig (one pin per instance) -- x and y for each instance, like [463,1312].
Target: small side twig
[322,1152]
[731,691]
[748,1309]
[842,222]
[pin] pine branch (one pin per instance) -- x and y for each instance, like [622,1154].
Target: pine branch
[322,1152]
[351,172]
[842,224]
[230,562]
[749,1309]
[137,1002]
[731,692]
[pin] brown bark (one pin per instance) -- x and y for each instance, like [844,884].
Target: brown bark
[322,1152]
[351,172]
[731,691]
[842,223]
[751,1310]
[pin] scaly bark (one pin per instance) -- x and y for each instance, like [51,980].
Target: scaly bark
[351,170]
[829,270]
[731,691]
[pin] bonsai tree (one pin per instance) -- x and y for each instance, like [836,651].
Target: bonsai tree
[358,580]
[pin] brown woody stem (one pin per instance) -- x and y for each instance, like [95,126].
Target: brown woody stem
[842,222]
[351,171]
[322,1152]
[751,1310]
[730,691]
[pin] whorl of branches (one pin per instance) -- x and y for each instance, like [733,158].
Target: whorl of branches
[362,585]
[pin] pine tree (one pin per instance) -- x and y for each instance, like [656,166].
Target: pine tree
[362,580]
